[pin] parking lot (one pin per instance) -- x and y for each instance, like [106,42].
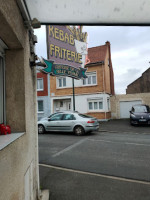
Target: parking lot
[112,163]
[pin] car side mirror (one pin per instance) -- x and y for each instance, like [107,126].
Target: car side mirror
[49,119]
[130,111]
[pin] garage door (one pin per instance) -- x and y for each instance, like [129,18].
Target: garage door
[125,107]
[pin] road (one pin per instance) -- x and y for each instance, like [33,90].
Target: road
[102,165]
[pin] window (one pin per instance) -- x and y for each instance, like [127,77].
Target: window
[1,90]
[40,106]
[84,116]
[40,84]
[68,117]
[108,103]
[90,80]
[95,105]
[61,103]
[62,82]
[56,117]
[90,106]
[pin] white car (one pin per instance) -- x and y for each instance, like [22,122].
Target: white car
[68,122]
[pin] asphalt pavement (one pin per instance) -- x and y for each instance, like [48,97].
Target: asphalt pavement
[110,164]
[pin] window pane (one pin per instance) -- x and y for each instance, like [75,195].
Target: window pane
[40,84]
[61,103]
[60,82]
[85,116]
[101,105]
[1,91]
[89,80]
[84,81]
[64,82]
[56,117]
[95,105]
[40,106]
[90,106]
[68,117]
[94,79]
[108,104]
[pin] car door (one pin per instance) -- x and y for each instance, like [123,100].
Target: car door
[67,122]
[53,124]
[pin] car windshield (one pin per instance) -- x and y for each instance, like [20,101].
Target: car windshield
[140,109]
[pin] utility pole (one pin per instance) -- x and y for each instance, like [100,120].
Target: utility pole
[73,92]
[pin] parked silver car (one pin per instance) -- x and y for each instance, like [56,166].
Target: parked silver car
[68,122]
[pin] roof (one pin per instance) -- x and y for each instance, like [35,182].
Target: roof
[97,54]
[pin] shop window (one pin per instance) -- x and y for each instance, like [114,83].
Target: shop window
[94,105]
[91,79]
[40,106]
[40,86]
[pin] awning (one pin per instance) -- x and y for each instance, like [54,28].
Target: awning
[89,11]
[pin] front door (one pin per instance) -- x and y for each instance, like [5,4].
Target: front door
[53,124]
[68,105]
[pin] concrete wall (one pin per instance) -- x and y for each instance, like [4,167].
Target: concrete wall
[16,158]
[115,102]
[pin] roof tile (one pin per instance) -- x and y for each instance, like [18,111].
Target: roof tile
[97,54]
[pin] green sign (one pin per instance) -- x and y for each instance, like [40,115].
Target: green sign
[64,70]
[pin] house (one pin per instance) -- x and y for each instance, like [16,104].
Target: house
[141,85]
[19,172]
[92,95]
[43,95]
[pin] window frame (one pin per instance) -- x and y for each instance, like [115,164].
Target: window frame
[40,89]
[108,104]
[62,82]
[38,106]
[59,114]
[94,102]
[89,81]
[2,89]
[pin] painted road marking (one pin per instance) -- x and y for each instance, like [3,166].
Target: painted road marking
[97,175]
[119,142]
[69,148]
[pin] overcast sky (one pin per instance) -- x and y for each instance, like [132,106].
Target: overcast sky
[130,50]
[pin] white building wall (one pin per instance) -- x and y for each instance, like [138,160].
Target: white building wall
[81,102]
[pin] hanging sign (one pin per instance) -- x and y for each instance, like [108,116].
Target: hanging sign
[67,50]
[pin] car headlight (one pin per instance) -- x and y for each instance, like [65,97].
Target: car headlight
[132,115]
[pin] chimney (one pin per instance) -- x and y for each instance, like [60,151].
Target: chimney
[107,43]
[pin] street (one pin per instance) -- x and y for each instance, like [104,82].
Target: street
[102,165]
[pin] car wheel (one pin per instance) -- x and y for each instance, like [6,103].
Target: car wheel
[41,129]
[79,130]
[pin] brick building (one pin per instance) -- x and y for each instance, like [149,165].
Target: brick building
[43,95]
[141,85]
[92,95]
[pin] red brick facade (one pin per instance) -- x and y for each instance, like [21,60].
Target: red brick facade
[45,84]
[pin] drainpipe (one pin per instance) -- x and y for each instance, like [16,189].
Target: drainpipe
[104,83]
